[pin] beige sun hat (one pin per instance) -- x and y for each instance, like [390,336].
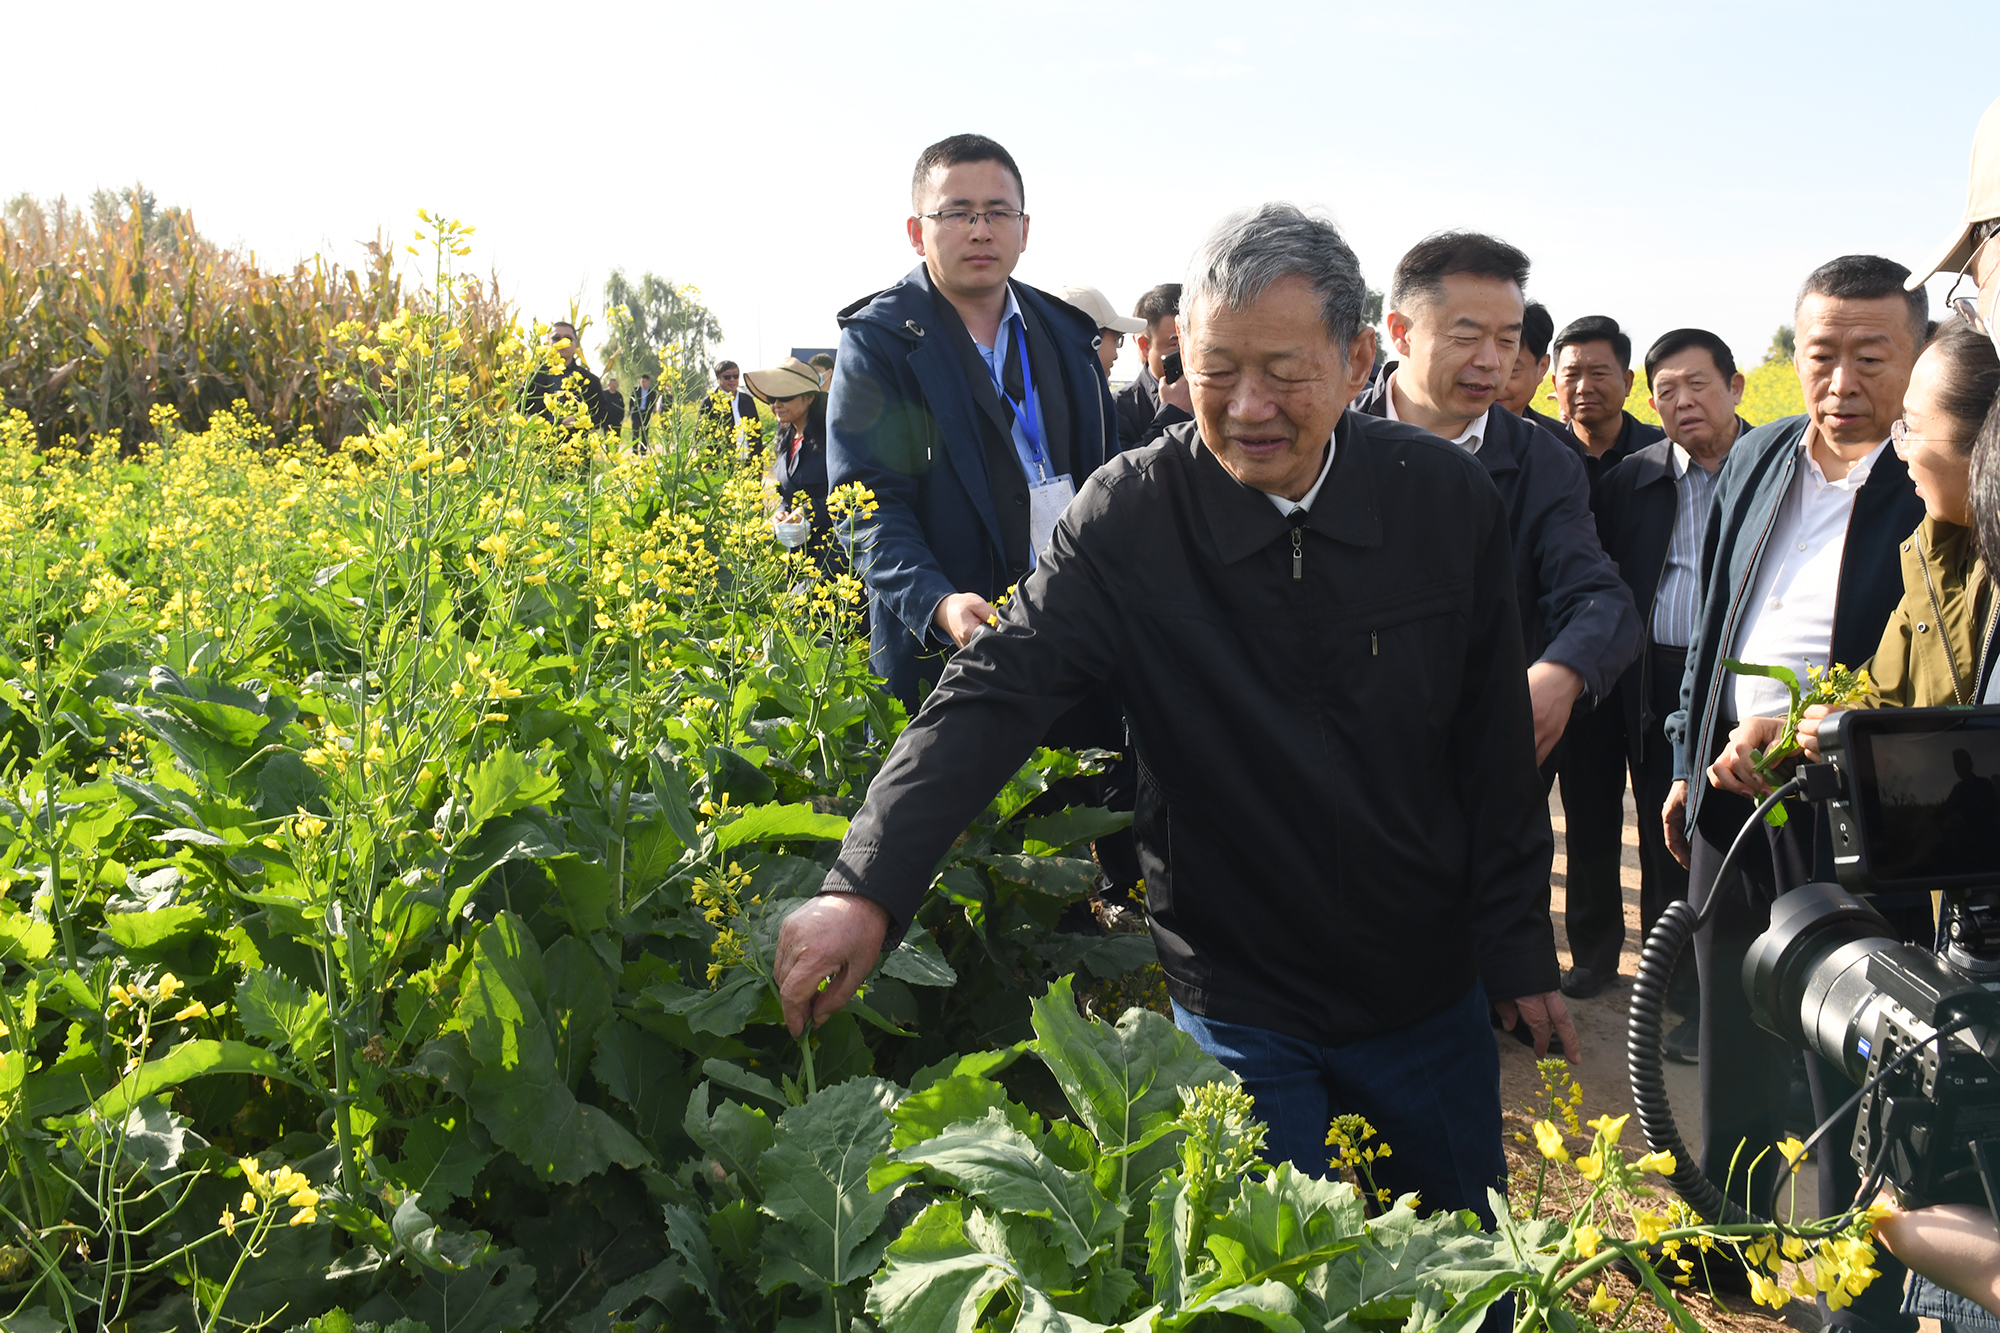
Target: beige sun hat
[788,379]
[1982,201]
[1094,303]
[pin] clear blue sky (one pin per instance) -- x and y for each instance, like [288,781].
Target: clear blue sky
[1666,164]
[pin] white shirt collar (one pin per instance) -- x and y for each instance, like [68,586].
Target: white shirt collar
[1857,473]
[1305,501]
[1682,461]
[1475,430]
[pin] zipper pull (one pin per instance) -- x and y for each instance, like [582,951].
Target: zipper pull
[1374,648]
[1298,545]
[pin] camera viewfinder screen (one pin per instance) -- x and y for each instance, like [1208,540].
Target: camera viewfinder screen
[1937,808]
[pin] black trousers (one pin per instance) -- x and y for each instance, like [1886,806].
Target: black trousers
[1746,1071]
[1593,794]
[1662,879]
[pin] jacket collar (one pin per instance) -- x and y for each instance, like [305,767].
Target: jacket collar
[1499,449]
[1507,438]
[1654,462]
[1242,521]
[908,308]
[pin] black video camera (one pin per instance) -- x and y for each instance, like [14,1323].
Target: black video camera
[1913,796]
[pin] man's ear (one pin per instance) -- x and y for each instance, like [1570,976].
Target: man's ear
[1361,359]
[1399,326]
[1736,388]
[915,227]
[1541,370]
[1144,344]
[1630,377]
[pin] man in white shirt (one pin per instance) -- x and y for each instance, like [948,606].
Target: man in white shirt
[1799,570]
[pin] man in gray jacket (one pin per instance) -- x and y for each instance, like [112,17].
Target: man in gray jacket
[1307,616]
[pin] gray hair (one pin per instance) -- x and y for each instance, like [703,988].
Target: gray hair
[1249,251]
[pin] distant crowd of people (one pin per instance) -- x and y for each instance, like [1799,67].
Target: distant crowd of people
[1349,611]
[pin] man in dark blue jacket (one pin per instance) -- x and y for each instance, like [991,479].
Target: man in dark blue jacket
[1455,322]
[972,406]
[1800,570]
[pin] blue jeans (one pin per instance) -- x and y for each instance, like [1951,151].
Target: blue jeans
[1431,1090]
[1928,1299]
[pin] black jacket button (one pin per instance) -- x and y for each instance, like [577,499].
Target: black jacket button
[1019,498]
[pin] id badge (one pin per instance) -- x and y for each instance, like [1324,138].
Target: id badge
[1046,502]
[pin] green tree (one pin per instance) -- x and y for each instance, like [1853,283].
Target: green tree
[654,327]
[1784,345]
[110,209]
[1371,308]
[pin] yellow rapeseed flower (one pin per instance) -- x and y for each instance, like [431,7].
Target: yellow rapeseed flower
[1610,1126]
[1661,1162]
[1587,1238]
[1650,1225]
[1602,1301]
[1550,1140]
[1766,1292]
[1590,1166]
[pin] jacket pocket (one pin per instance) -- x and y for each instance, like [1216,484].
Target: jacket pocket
[1395,674]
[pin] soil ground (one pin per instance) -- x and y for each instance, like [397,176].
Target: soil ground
[1600,1025]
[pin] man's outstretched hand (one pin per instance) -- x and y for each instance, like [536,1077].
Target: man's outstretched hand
[1543,1014]
[835,938]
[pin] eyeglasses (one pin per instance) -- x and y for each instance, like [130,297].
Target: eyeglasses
[961,219]
[1117,339]
[1901,436]
[1967,307]
[788,398]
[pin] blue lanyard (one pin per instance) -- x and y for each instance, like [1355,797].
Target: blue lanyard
[1022,413]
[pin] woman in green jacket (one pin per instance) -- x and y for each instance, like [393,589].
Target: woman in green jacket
[1934,645]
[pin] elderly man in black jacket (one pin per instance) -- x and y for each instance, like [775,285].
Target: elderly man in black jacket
[1308,617]
[1652,511]
[1455,321]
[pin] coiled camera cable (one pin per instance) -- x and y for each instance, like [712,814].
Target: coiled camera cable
[1670,936]
[1664,946]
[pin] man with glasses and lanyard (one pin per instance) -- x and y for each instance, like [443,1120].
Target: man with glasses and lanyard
[973,407]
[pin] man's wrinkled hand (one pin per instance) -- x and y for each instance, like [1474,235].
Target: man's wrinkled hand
[833,941]
[1544,1014]
[1553,689]
[1734,770]
[962,615]
[1674,821]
